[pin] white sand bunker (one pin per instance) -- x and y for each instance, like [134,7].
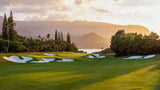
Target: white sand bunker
[134,57]
[96,56]
[90,56]
[16,59]
[149,56]
[140,57]
[65,60]
[45,60]
[47,54]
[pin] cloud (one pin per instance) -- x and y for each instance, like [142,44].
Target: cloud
[27,10]
[57,16]
[141,12]
[140,2]
[100,10]
[78,2]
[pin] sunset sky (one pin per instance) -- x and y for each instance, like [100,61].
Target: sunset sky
[123,12]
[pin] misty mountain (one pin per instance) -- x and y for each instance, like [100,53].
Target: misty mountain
[84,34]
[90,41]
[35,28]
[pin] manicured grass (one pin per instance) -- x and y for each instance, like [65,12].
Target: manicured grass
[111,73]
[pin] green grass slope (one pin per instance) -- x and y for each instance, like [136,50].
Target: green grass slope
[111,73]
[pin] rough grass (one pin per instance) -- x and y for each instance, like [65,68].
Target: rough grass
[111,73]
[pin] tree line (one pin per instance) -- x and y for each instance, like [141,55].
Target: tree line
[10,41]
[124,44]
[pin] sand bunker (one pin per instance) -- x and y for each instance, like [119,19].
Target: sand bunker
[101,57]
[96,56]
[16,59]
[140,57]
[90,56]
[47,54]
[134,57]
[149,56]
[45,60]
[65,60]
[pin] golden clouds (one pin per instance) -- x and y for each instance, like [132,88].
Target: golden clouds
[142,12]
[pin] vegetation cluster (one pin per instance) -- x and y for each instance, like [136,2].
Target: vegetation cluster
[124,44]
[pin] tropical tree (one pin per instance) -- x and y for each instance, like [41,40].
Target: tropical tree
[154,36]
[61,36]
[68,38]
[39,36]
[4,28]
[11,31]
[48,36]
[56,36]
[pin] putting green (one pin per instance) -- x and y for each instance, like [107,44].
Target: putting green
[111,73]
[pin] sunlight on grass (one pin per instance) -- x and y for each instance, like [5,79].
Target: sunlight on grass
[144,79]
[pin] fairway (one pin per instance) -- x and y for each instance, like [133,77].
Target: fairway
[111,73]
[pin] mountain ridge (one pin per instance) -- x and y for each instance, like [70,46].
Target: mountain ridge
[77,30]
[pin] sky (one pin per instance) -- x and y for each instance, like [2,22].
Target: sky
[122,12]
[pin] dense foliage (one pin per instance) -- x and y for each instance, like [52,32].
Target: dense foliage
[13,46]
[41,45]
[135,44]
[10,41]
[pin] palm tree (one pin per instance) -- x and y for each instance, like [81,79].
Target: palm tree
[68,38]
[39,36]
[48,36]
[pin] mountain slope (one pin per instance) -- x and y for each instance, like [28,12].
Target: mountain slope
[34,28]
[90,41]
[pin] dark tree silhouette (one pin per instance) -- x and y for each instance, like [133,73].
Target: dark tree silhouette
[48,36]
[56,36]
[4,28]
[11,31]
[68,38]
[61,36]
